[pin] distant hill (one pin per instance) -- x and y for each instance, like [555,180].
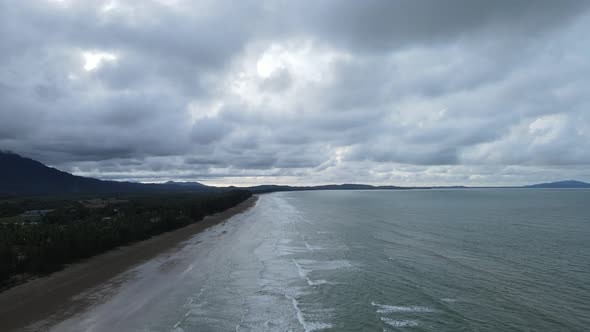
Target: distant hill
[346,186]
[20,175]
[184,184]
[561,184]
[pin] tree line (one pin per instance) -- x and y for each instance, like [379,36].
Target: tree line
[74,232]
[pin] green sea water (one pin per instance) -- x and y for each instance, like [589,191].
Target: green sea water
[454,260]
[412,260]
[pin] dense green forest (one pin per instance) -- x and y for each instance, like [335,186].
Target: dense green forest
[76,229]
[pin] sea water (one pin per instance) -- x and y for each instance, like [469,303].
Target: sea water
[405,260]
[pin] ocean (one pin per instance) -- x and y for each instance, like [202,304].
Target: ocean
[406,260]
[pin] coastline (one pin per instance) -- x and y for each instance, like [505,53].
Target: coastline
[43,297]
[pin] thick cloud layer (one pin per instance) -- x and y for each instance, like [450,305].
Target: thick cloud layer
[306,92]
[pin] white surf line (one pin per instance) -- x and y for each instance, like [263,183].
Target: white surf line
[391,309]
[189,302]
[307,326]
[303,274]
[448,300]
[182,319]
[388,309]
[326,265]
[313,248]
[301,271]
[399,322]
[188,269]
[299,313]
[243,315]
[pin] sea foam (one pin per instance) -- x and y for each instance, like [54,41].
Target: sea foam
[308,326]
[387,309]
[399,322]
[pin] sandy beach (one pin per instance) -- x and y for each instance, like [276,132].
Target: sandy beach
[57,295]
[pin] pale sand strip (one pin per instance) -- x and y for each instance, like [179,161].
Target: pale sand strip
[42,297]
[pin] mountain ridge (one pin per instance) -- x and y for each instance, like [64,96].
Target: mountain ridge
[560,184]
[21,175]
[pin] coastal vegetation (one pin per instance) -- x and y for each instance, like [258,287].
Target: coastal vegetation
[40,235]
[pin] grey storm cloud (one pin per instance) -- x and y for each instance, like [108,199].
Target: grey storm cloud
[248,92]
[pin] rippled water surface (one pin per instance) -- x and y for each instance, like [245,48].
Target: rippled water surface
[424,260]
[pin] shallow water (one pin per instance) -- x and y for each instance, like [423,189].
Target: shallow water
[420,260]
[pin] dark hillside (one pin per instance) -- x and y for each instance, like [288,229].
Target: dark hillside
[20,175]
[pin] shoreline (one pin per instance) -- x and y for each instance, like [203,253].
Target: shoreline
[40,298]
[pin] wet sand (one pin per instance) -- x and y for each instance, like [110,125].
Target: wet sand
[57,295]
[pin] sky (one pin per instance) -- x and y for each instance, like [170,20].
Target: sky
[299,92]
